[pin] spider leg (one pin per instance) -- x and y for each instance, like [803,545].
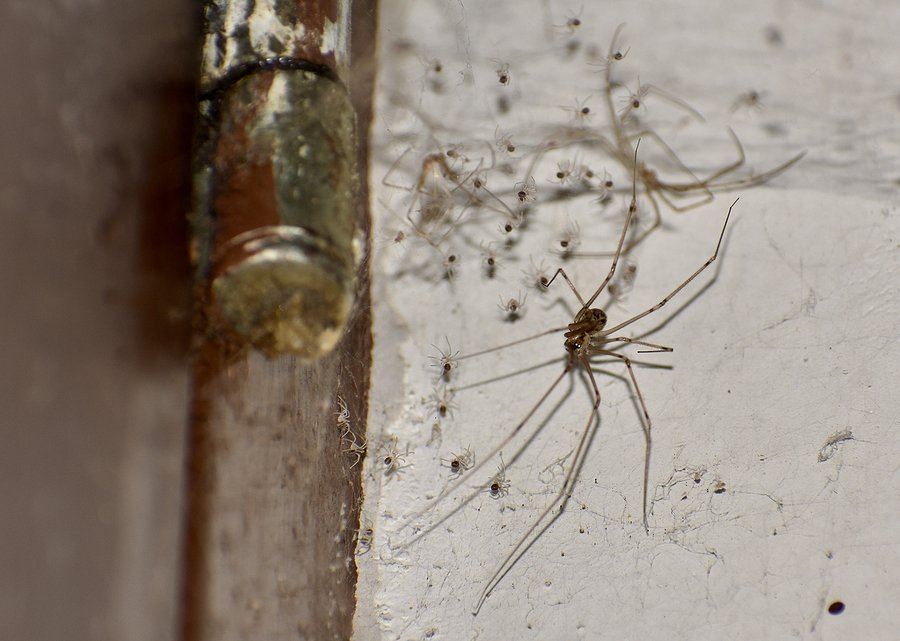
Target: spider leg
[496,450]
[670,295]
[535,531]
[646,425]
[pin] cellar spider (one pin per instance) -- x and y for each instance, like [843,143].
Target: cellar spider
[447,182]
[435,195]
[656,188]
[588,335]
[618,143]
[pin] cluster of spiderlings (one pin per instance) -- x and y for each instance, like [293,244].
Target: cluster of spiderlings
[489,208]
[486,200]
[459,187]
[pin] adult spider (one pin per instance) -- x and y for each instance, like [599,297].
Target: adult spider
[588,335]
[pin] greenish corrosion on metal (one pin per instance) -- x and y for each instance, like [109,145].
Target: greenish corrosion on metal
[283,202]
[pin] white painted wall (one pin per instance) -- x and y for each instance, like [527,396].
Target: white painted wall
[794,342]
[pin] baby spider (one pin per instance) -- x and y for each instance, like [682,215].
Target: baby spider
[450,264]
[504,142]
[537,277]
[503,73]
[602,187]
[499,485]
[393,460]
[364,538]
[447,361]
[514,220]
[750,100]
[615,54]
[633,101]
[434,70]
[353,447]
[580,111]
[606,182]
[586,176]
[513,306]
[569,241]
[525,190]
[454,153]
[460,462]
[349,444]
[343,414]
[442,400]
[572,23]
[479,180]
[621,285]
[565,172]
[489,260]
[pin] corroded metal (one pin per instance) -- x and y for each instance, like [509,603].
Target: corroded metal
[276,180]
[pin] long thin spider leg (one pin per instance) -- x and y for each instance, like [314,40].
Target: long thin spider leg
[546,146]
[417,227]
[710,184]
[657,221]
[417,230]
[649,133]
[680,209]
[562,272]
[508,375]
[561,499]
[564,138]
[727,169]
[623,146]
[660,186]
[705,185]
[392,168]
[510,344]
[646,425]
[684,284]
[418,191]
[496,450]
[632,208]
[675,100]
[757,179]
[633,341]
[506,207]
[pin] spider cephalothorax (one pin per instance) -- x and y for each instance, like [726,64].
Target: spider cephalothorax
[587,322]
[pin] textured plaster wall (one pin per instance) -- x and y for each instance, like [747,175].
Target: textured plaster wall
[773,480]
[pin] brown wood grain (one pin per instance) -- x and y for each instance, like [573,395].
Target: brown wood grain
[273,506]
